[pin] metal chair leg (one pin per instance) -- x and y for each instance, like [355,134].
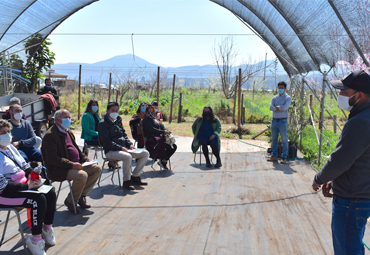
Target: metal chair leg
[19,225]
[5,226]
[73,200]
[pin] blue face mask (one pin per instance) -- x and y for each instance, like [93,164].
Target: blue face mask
[95,108]
[66,123]
[281,91]
[142,108]
[48,87]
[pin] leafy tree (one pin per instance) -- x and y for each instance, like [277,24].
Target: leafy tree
[40,58]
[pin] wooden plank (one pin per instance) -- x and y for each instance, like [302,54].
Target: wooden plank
[260,133]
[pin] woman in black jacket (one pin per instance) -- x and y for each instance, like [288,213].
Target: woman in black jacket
[154,132]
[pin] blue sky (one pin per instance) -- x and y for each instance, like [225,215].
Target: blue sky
[152,17]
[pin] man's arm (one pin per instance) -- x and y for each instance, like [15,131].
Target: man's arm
[355,139]
[108,144]
[31,140]
[50,148]
[272,104]
[54,92]
[286,106]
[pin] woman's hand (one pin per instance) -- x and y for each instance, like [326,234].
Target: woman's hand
[34,184]
[212,137]
[167,132]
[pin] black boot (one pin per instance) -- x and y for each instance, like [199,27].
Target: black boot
[137,180]
[218,163]
[208,162]
[128,185]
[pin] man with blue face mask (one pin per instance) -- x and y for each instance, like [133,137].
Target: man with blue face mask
[48,89]
[347,170]
[279,125]
[63,160]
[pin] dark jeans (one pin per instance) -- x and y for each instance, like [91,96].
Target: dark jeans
[348,225]
[42,206]
[214,147]
[93,142]
[30,154]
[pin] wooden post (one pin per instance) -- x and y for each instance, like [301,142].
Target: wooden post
[110,84]
[242,105]
[159,69]
[335,125]
[180,109]
[239,105]
[234,107]
[79,93]
[117,92]
[173,91]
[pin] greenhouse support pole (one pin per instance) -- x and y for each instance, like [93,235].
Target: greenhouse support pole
[158,75]
[79,93]
[239,103]
[301,114]
[349,33]
[173,91]
[322,114]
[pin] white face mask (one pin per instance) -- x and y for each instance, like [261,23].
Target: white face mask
[343,102]
[18,116]
[113,115]
[5,139]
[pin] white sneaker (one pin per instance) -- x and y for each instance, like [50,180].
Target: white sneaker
[36,248]
[48,236]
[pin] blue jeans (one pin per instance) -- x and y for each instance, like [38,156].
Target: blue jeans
[348,225]
[30,154]
[279,126]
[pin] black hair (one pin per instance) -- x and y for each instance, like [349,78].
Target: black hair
[111,104]
[282,83]
[155,103]
[149,106]
[89,105]
[138,109]
[212,118]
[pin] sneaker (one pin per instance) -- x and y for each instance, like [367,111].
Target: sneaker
[48,236]
[36,248]
[283,161]
[272,158]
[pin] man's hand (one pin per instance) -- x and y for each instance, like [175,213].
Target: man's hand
[49,92]
[132,147]
[315,186]
[167,132]
[16,144]
[212,137]
[77,166]
[326,189]
[88,160]
[124,149]
[277,109]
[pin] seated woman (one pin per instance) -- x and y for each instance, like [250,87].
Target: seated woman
[154,132]
[206,130]
[89,123]
[14,172]
[136,125]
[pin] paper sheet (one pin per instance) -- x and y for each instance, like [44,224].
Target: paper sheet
[92,162]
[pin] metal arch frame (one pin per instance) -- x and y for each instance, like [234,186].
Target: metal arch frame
[287,50]
[348,32]
[295,31]
[257,32]
[59,20]
[6,30]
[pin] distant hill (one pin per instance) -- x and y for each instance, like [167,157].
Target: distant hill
[124,65]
